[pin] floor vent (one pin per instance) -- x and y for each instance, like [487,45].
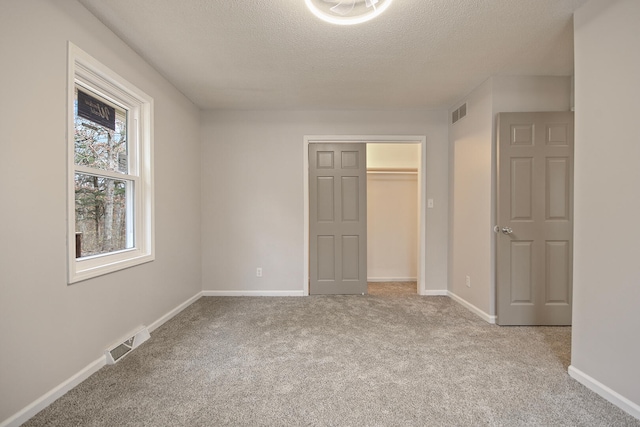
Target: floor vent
[460,113]
[118,351]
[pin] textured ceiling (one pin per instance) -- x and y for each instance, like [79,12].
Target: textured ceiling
[274,54]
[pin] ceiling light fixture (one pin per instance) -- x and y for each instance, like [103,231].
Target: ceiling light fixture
[347,12]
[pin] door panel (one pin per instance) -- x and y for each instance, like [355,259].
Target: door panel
[558,277]
[325,197]
[337,219]
[350,198]
[521,279]
[535,203]
[521,189]
[557,188]
[326,256]
[350,258]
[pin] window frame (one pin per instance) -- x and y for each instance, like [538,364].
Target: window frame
[86,72]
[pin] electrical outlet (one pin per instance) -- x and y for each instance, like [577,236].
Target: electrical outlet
[467,281]
[259,272]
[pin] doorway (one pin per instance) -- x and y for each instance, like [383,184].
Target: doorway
[372,139]
[392,214]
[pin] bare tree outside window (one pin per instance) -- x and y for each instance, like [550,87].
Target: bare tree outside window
[100,201]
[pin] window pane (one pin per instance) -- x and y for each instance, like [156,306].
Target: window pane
[97,145]
[102,220]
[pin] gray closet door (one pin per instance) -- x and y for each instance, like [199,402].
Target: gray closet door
[535,218]
[337,219]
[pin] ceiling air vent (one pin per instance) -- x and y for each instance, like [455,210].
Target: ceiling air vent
[458,114]
[118,351]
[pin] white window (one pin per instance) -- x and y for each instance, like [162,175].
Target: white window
[110,171]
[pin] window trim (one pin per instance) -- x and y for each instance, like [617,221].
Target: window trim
[84,70]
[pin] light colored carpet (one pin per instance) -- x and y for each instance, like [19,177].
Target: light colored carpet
[391,358]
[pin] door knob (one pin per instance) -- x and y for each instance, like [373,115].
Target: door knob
[504,230]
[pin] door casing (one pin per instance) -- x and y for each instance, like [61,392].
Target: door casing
[422,192]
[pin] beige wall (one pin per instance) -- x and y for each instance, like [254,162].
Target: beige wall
[395,156]
[392,226]
[50,331]
[472,176]
[606,307]
[252,195]
[392,212]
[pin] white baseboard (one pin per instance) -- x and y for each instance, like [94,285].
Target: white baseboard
[435,293]
[391,279]
[38,405]
[47,399]
[597,387]
[485,316]
[152,327]
[252,293]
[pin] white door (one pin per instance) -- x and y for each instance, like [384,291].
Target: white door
[535,218]
[337,219]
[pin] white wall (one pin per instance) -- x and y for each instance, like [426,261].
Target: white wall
[50,331]
[252,191]
[512,94]
[473,180]
[606,304]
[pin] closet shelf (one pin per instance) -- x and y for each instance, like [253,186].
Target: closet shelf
[406,171]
